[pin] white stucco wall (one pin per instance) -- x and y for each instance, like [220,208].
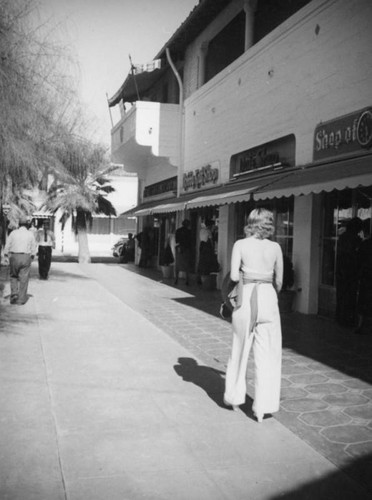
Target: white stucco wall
[287,83]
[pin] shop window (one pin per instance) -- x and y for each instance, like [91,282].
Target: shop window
[283,220]
[198,219]
[338,208]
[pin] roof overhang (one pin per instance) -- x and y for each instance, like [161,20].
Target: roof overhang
[201,15]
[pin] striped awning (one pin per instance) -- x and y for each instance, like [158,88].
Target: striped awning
[222,198]
[341,174]
[312,178]
[169,207]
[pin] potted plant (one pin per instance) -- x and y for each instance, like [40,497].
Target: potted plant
[166,261]
[287,294]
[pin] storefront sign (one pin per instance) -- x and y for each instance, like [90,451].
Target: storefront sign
[348,134]
[195,179]
[272,155]
[162,187]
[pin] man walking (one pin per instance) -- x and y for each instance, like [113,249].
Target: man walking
[20,247]
[46,241]
[183,250]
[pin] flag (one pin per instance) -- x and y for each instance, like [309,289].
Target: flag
[142,68]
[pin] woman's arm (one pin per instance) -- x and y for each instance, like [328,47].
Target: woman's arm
[235,262]
[278,269]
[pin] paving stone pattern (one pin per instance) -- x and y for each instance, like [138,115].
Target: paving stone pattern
[326,394]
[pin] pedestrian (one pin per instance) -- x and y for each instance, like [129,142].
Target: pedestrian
[127,251]
[20,248]
[207,257]
[347,273]
[46,242]
[183,251]
[257,263]
[146,240]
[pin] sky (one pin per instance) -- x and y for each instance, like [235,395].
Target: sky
[101,34]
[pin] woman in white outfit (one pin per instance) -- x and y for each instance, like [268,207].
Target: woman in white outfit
[256,323]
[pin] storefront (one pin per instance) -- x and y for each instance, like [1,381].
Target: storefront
[152,225]
[327,194]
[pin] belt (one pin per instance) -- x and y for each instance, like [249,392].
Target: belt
[19,253]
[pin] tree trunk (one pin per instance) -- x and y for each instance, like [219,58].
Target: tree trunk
[84,255]
[81,227]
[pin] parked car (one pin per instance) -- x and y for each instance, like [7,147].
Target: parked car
[117,248]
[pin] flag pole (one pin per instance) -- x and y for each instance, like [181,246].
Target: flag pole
[134,76]
[112,123]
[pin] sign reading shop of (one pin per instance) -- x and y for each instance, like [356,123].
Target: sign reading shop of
[195,179]
[348,134]
[273,155]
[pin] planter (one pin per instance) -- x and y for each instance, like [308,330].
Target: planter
[286,298]
[167,271]
[209,281]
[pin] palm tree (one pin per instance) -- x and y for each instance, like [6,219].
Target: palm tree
[36,101]
[81,187]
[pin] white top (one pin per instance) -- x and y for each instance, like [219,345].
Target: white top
[45,238]
[205,234]
[20,241]
[258,257]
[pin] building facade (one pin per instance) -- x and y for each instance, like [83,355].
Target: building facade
[274,109]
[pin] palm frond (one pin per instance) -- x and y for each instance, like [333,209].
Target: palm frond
[104,206]
[107,189]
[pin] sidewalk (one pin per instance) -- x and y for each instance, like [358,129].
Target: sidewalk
[98,402]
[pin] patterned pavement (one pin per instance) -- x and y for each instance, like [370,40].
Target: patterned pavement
[326,394]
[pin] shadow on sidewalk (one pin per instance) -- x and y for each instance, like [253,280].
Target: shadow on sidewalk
[56,274]
[95,259]
[11,320]
[209,379]
[317,338]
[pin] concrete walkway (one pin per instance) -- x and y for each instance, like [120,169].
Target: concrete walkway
[96,402]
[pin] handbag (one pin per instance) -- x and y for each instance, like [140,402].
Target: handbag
[232,296]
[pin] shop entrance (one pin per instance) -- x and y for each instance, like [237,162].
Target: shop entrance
[339,207]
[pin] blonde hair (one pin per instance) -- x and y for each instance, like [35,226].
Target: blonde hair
[260,223]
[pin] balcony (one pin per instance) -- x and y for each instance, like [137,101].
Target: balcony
[149,131]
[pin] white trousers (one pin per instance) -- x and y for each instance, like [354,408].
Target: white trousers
[266,340]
